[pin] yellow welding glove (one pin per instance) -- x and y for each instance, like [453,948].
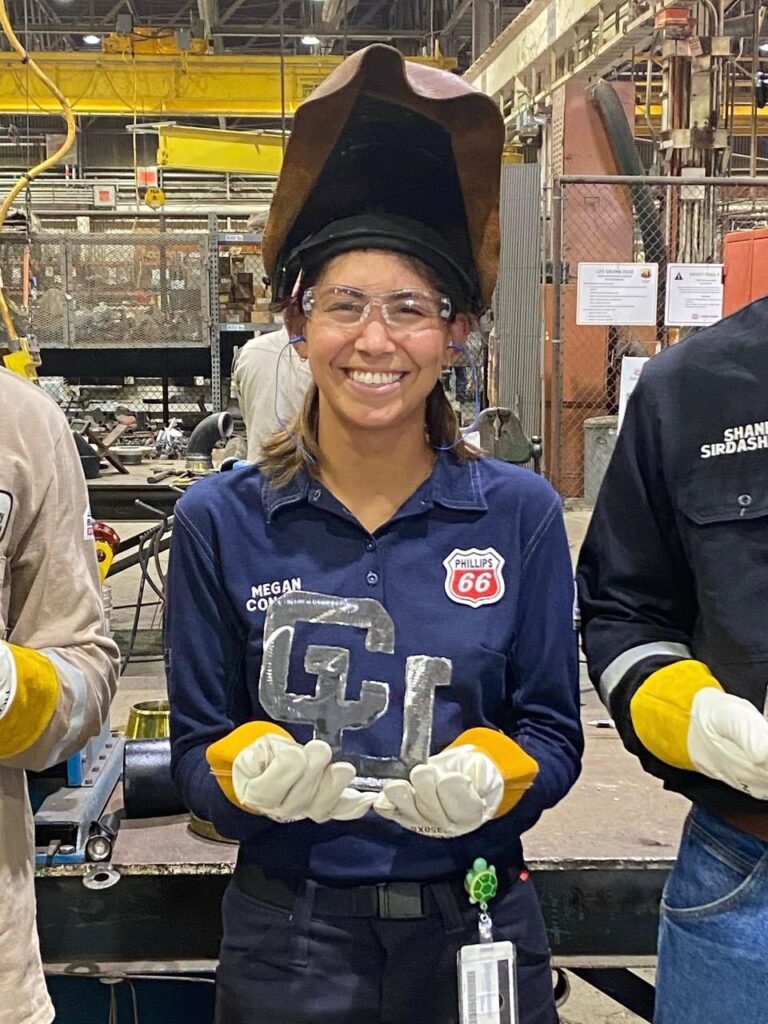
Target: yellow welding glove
[480,776]
[682,715]
[29,693]
[221,754]
[517,768]
[262,769]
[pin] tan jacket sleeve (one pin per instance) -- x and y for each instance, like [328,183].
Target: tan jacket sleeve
[54,602]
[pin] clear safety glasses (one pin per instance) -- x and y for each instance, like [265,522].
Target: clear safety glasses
[404,312]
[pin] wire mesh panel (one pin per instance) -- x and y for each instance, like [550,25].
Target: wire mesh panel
[33,275]
[122,321]
[138,290]
[653,222]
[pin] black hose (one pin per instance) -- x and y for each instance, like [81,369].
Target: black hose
[624,150]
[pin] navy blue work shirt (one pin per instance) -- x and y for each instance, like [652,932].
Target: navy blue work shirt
[471,578]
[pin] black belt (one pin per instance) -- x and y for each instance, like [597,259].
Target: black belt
[386,900]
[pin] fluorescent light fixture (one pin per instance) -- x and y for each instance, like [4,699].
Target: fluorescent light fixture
[310,40]
[91,39]
[763,47]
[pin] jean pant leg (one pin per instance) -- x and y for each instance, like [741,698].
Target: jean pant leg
[713,936]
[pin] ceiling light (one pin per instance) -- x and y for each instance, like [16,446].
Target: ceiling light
[91,39]
[310,40]
[763,47]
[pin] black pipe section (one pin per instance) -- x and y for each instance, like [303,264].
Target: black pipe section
[148,787]
[624,150]
[206,435]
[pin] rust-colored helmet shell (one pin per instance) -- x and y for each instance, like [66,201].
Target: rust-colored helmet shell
[471,119]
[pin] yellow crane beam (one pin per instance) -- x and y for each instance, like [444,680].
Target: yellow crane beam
[210,149]
[168,85]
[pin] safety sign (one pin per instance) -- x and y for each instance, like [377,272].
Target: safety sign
[694,294]
[619,294]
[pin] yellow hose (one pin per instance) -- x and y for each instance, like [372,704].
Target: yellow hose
[50,161]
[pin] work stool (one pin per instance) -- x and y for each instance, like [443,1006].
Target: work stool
[503,437]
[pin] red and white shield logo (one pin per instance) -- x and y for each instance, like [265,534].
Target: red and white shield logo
[473,576]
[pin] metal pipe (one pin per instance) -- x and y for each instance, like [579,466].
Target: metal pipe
[755,67]
[654,179]
[39,168]
[556,341]
[265,32]
[713,11]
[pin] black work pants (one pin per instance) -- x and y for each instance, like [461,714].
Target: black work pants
[288,965]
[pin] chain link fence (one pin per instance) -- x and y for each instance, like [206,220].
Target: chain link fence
[594,323]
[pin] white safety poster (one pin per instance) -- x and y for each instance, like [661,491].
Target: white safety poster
[619,294]
[631,368]
[694,294]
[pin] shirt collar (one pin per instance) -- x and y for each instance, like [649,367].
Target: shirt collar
[452,484]
[276,498]
[458,484]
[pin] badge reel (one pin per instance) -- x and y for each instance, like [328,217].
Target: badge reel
[487,970]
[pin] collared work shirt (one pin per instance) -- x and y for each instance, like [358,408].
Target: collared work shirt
[50,600]
[455,613]
[270,381]
[675,563]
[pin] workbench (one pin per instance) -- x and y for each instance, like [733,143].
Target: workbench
[113,495]
[598,860]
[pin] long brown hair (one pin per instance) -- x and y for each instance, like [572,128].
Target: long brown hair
[287,452]
[295,448]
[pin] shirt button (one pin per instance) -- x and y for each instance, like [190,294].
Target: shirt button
[317,495]
[745,500]
[370,545]
[372,578]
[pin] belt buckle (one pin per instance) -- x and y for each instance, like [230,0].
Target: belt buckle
[400,899]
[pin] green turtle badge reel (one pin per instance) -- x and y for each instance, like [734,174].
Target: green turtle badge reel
[487,980]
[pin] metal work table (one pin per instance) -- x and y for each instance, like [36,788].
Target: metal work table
[598,860]
[113,495]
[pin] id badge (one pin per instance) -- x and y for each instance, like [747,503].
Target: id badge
[488,984]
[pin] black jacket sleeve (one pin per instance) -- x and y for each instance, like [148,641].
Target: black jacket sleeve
[636,592]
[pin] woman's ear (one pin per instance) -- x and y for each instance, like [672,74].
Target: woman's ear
[458,332]
[295,323]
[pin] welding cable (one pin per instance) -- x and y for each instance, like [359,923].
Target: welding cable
[38,169]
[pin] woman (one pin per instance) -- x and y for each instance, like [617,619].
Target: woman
[372,668]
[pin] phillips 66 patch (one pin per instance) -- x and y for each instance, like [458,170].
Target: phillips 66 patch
[473,576]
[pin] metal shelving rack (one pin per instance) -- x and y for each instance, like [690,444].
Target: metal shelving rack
[219,239]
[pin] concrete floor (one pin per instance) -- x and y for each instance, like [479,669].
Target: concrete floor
[143,680]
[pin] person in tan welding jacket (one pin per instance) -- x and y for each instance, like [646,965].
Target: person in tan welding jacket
[58,669]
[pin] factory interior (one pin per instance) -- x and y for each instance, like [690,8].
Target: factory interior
[141,143]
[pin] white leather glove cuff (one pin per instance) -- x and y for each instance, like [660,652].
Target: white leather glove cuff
[286,781]
[728,741]
[454,793]
[7,678]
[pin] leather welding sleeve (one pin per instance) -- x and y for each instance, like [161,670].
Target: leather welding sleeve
[533,759]
[261,768]
[682,715]
[58,670]
[204,650]
[636,594]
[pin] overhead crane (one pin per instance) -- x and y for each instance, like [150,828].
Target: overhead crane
[169,85]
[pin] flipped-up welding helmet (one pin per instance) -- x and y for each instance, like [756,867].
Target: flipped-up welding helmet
[391,154]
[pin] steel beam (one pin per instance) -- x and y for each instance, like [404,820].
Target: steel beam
[552,41]
[207,149]
[155,85]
